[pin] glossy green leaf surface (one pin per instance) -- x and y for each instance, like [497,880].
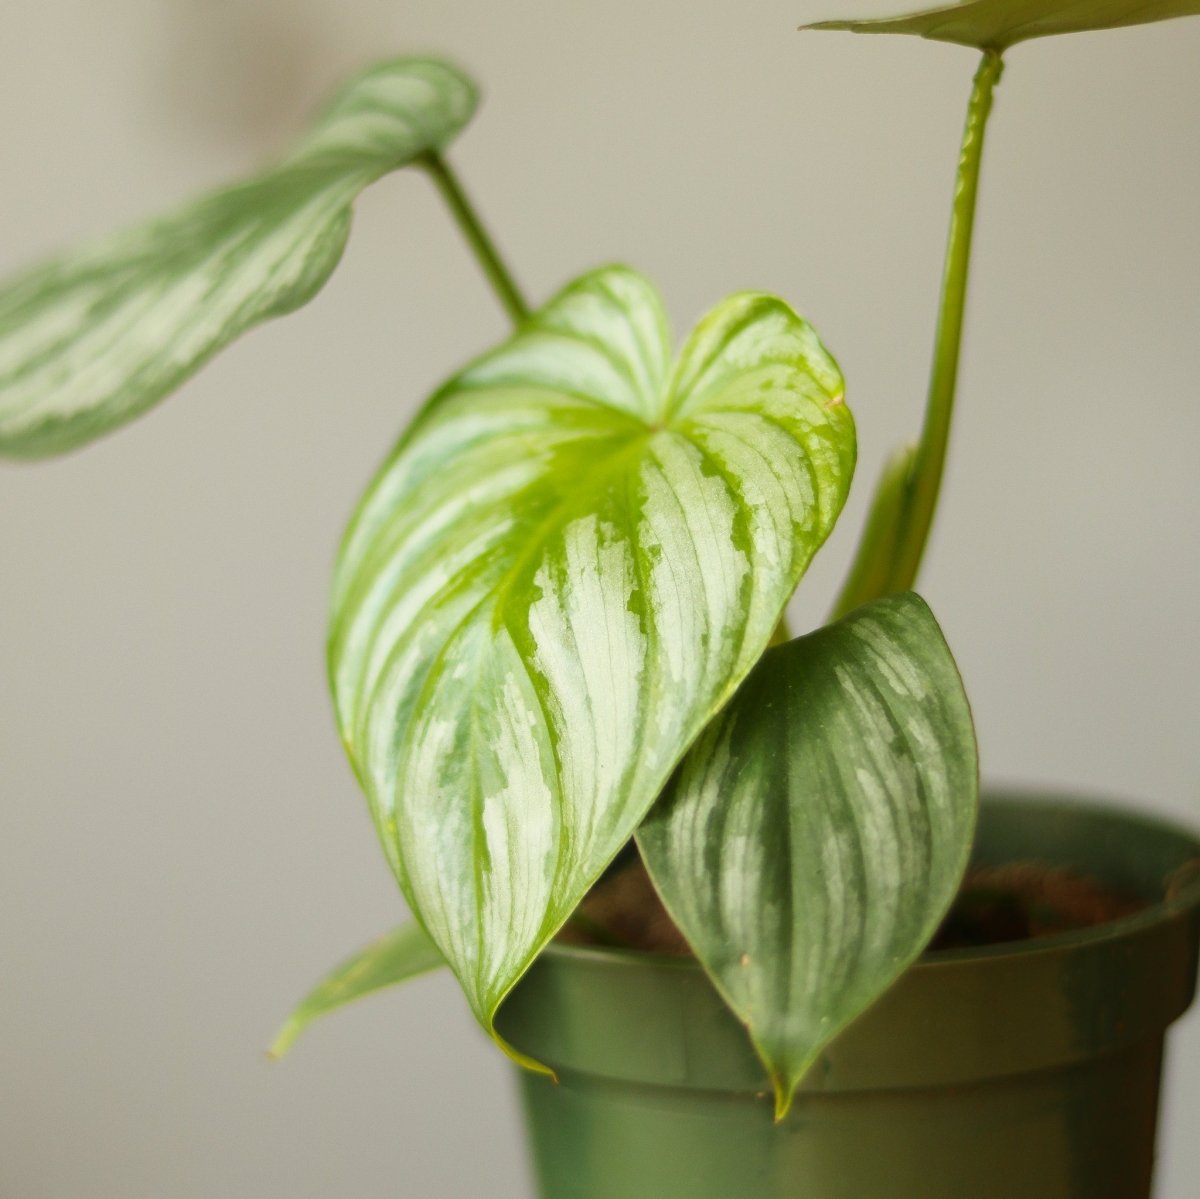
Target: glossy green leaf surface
[93,338]
[815,835]
[403,954]
[998,24]
[565,568]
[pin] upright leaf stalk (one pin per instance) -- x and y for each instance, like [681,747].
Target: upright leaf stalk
[897,529]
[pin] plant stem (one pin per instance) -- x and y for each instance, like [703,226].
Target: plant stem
[871,573]
[477,237]
[897,527]
[926,479]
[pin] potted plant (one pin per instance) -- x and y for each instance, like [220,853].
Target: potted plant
[550,636]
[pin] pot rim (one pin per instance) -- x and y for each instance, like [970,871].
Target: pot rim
[1182,894]
[954,1018]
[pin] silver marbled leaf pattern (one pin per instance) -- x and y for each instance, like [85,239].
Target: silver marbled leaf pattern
[563,571]
[815,835]
[93,338]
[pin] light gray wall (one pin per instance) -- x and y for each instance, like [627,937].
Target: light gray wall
[181,846]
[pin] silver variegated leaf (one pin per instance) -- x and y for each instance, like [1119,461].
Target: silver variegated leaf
[998,24]
[405,953]
[815,835]
[560,575]
[90,340]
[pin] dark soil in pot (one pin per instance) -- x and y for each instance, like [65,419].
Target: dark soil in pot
[1016,901]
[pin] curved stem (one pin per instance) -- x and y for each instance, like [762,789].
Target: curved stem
[929,462]
[477,237]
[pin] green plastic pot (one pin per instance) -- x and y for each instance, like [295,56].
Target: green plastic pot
[1021,1071]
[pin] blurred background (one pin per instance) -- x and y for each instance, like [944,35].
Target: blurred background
[182,848]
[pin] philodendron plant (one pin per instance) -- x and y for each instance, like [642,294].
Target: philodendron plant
[557,623]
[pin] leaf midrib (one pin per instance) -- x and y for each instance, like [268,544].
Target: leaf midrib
[562,514]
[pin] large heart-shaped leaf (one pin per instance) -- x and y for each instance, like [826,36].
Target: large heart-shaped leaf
[998,24]
[405,953]
[563,571]
[90,340]
[815,835]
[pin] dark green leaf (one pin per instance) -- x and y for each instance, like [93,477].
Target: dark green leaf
[562,573]
[998,24]
[90,340]
[403,954]
[815,835]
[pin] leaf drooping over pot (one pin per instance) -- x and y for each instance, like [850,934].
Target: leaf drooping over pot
[815,836]
[404,953]
[566,567]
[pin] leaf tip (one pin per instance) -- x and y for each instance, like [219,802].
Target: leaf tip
[843,26]
[522,1059]
[284,1040]
[785,1092]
